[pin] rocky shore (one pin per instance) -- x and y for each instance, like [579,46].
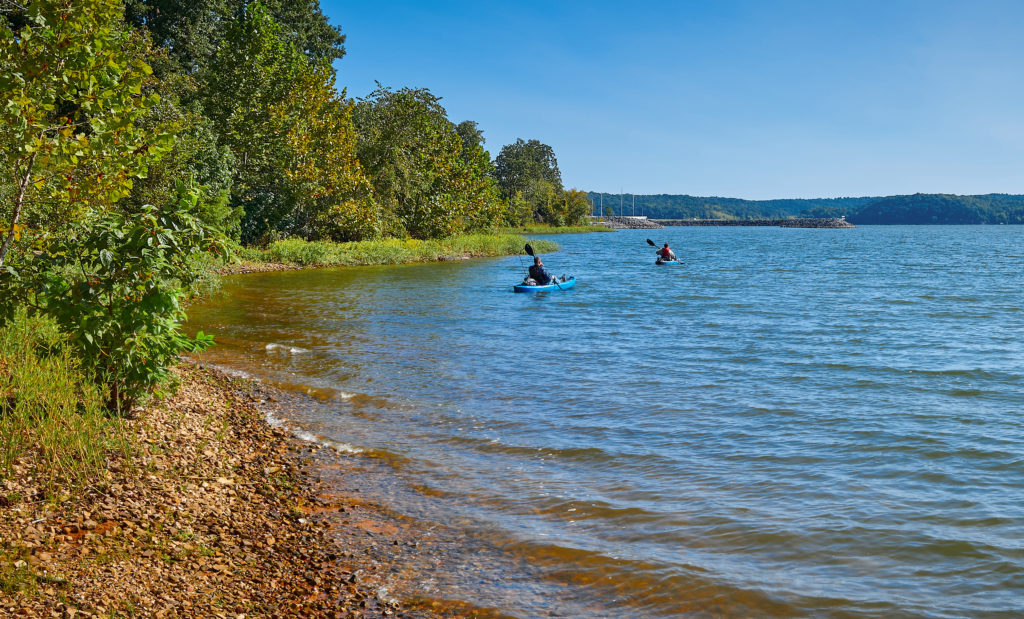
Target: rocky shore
[209,512]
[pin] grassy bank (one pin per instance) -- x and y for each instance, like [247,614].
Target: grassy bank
[392,251]
[53,428]
[546,229]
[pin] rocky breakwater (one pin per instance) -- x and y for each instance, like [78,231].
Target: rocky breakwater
[631,223]
[815,222]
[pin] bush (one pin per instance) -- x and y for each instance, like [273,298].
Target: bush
[114,283]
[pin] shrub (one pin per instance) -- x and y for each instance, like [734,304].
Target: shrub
[114,283]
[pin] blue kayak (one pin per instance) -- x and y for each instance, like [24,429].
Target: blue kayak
[567,284]
[662,262]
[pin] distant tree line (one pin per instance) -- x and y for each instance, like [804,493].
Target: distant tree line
[909,209]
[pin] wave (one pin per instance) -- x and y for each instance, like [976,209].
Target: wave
[293,350]
[310,437]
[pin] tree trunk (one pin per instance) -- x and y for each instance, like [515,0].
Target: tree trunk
[19,202]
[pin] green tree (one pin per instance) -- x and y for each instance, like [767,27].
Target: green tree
[195,30]
[336,195]
[71,82]
[575,206]
[530,169]
[291,136]
[472,139]
[522,165]
[428,179]
[194,155]
[484,206]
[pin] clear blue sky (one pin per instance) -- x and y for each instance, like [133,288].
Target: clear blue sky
[753,99]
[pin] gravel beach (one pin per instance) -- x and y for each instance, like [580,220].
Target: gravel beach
[215,514]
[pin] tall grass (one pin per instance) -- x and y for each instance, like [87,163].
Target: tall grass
[52,419]
[393,251]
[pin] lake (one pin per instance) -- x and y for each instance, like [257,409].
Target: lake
[793,422]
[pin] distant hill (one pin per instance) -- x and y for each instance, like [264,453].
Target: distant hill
[920,208]
[911,209]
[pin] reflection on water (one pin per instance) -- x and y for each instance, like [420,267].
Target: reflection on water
[794,422]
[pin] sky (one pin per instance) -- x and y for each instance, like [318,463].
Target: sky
[758,100]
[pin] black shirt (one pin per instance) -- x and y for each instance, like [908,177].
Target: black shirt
[539,273]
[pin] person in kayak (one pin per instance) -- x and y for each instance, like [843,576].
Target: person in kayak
[665,254]
[539,274]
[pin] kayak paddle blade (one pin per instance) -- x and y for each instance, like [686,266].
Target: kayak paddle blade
[529,250]
[651,243]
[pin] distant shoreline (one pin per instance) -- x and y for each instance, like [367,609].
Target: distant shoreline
[915,209]
[789,222]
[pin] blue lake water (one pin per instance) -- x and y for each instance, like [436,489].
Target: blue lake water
[793,422]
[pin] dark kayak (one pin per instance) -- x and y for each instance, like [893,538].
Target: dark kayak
[567,284]
[660,262]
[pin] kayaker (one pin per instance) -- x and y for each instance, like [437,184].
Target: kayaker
[539,273]
[665,254]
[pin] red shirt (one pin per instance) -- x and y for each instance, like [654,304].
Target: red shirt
[665,252]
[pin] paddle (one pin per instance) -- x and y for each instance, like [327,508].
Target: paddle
[529,250]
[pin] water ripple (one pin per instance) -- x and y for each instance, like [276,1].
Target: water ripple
[794,423]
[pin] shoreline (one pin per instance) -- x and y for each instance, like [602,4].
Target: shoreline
[218,513]
[384,252]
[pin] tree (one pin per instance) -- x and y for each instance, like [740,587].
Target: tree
[530,170]
[522,165]
[194,31]
[575,206]
[194,155]
[290,133]
[336,196]
[485,207]
[114,283]
[430,181]
[71,81]
[472,139]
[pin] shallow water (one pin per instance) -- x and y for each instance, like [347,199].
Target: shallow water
[792,423]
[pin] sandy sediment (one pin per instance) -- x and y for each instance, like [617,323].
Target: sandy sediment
[215,514]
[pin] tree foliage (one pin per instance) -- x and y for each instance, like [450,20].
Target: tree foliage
[908,209]
[942,209]
[71,86]
[291,136]
[114,282]
[528,167]
[429,181]
[194,31]
[527,173]
[194,155]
